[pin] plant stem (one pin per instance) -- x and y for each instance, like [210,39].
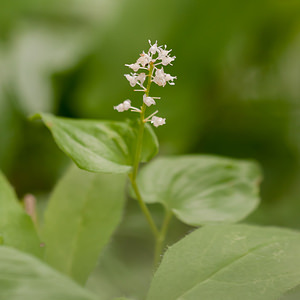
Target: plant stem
[139,142]
[145,209]
[161,237]
[137,158]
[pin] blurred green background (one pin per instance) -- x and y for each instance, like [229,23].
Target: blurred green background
[237,92]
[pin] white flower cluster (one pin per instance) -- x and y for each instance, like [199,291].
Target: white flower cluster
[135,79]
[156,55]
[123,106]
[157,121]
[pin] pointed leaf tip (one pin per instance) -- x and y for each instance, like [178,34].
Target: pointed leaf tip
[99,146]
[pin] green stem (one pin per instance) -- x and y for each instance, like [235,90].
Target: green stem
[149,78]
[139,142]
[145,209]
[161,237]
[136,161]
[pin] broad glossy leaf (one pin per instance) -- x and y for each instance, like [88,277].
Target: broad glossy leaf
[99,146]
[24,277]
[16,227]
[202,189]
[229,262]
[82,213]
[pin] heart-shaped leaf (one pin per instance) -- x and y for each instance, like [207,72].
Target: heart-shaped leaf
[229,262]
[24,277]
[82,213]
[100,146]
[202,189]
[16,227]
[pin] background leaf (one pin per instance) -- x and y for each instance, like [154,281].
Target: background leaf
[99,146]
[83,211]
[24,277]
[16,227]
[229,262]
[202,189]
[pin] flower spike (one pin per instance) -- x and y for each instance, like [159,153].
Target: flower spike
[156,55]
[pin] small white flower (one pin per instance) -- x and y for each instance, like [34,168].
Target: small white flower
[144,59]
[153,48]
[169,78]
[127,104]
[157,121]
[141,77]
[164,56]
[132,79]
[163,53]
[135,67]
[159,77]
[148,100]
[123,106]
[165,60]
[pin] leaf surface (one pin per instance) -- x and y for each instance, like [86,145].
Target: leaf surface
[24,277]
[16,227]
[229,262]
[99,146]
[82,213]
[202,189]
[293,294]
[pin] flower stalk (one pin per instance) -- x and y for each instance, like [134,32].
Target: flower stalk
[141,128]
[156,55]
[136,162]
[160,239]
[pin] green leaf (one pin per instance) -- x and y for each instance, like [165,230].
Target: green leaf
[16,227]
[99,146]
[293,294]
[83,212]
[23,277]
[229,262]
[202,189]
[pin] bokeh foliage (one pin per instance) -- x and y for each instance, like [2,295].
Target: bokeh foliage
[237,93]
